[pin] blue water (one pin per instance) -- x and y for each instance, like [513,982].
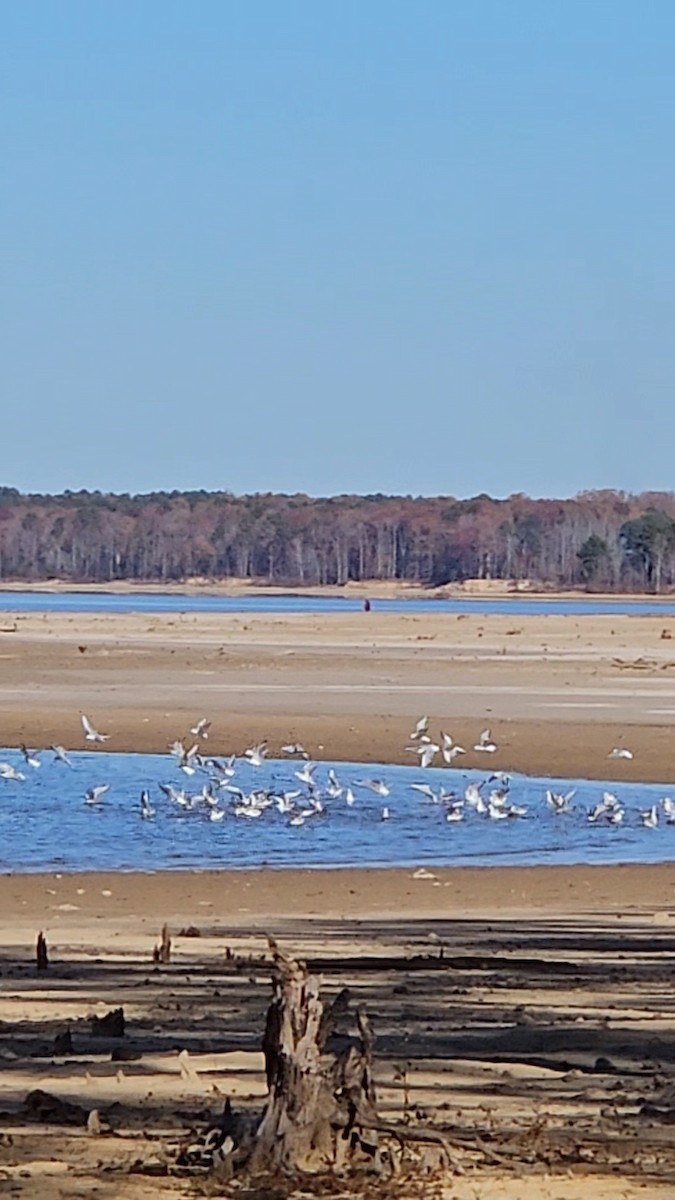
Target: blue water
[151,602]
[45,824]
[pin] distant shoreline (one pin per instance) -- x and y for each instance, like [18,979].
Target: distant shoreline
[372,589]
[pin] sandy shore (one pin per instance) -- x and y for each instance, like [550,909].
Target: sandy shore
[375,589]
[558,692]
[526,1013]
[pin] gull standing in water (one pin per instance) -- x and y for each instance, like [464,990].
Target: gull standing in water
[91,734]
[147,811]
[669,809]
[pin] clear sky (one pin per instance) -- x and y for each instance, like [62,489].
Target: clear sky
[338,245]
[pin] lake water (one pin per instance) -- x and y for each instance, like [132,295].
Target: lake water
[46,825]
[151,602]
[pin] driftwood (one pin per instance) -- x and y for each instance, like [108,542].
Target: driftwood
[321,1110]
[41,955]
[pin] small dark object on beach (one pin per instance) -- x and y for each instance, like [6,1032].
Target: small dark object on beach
[52,1110]
[191,931]
[125,1054]
[366,605]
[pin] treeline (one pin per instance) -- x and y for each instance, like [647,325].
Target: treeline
[602,540]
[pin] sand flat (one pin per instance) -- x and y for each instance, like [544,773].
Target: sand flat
[559,692]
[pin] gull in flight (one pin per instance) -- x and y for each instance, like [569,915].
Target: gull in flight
[425,790]
[177,796]
[294,748]
[227,769]
[334,789]
[30,757]
[94,794]
[91,734]
[485,743]
[420,729]
[427,753]
[374,785]
[620,752]
[186,758]
[449,750]
[9,772]
[147,811]
[306,774]
[60,755]
[256,754]
[650,818]
[201,729]
[284,802]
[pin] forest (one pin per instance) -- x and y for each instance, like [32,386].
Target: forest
[598,540]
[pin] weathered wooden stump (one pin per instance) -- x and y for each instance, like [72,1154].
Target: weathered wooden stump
[321,1110]
[41,955]
[162,952]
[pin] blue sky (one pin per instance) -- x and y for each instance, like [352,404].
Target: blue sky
[360,245]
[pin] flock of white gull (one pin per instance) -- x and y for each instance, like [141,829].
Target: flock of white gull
[220,796]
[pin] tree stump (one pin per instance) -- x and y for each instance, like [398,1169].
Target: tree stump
[320,1110]
[162,952]
[41,955]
